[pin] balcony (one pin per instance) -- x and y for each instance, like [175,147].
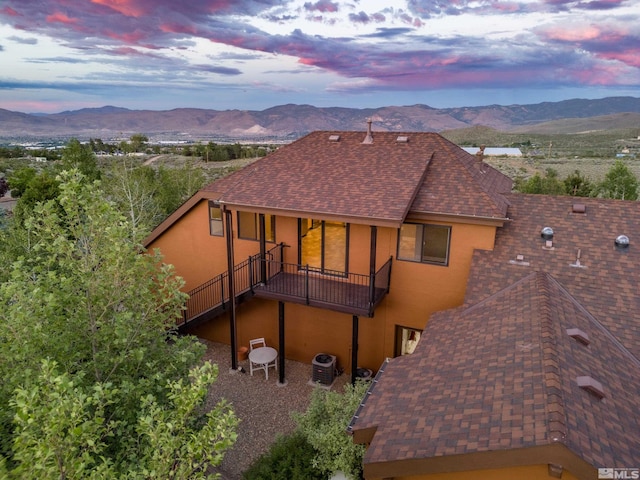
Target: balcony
[271,278]
[344,292]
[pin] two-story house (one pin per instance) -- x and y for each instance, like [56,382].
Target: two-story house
[341,242]
[349,243]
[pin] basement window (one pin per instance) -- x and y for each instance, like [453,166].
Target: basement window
[215,220]
[424,243]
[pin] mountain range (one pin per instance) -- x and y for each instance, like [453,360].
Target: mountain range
[292,121]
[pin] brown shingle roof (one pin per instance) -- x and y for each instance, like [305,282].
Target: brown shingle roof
[460,184]
[606,283]
[500,376]
[369,183]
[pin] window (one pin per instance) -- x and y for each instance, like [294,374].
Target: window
[406,340]
[324,245]
[215,219]
[249,226]
[424,243]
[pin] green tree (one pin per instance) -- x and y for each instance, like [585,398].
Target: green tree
[578,185]
[80,156]
[134,189]
[84,296]
[176,185]
[62,425]
[20,180]
[619,182]
[548,184]
[324,426]
[138,142]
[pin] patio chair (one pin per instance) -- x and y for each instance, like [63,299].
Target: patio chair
[266,358]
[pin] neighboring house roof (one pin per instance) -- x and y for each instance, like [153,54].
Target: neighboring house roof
[499,374]
[495,151]
[340,176]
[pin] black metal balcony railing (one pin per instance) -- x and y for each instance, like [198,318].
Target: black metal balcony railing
[352,293]
[345,292]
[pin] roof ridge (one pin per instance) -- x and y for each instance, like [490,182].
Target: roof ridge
[556,416]
[635,360]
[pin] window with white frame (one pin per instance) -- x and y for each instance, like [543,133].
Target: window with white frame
[419,242]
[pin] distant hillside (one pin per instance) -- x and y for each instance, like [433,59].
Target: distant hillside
[292,121]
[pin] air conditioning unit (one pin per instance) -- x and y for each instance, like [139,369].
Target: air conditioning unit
[324,367]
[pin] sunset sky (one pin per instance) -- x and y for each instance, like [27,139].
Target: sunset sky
[60,55]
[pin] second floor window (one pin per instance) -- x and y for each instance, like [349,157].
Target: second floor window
[424,243]
[215,219]
[249,226]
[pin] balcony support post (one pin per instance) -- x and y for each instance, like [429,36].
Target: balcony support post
[281,353]
[354,349]
[232,292]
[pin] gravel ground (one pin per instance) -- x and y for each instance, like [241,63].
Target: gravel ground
[263,407]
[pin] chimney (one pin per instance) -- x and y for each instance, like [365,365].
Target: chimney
[369,137]
[480,153]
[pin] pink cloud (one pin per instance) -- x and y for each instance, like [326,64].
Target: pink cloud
[10,12]
[630,58]
[178,28]
[59,17]
[573,34]
[129,8]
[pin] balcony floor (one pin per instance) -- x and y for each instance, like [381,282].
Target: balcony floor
[331,293]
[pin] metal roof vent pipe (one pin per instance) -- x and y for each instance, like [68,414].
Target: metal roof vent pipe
[369,137]
[547,233]
[622,242]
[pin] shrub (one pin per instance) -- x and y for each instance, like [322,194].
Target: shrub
[289,457]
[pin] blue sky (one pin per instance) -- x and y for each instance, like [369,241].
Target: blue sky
[60,55]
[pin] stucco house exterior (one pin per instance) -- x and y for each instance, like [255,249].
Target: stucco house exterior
[350,239]
[349,243]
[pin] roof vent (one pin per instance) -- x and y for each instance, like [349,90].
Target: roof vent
[591,385]
[622,242]
[519,261]
[577,263]
[402,139]
[578,208]
[578,335]
[547,233]
[369,137]
[334,138]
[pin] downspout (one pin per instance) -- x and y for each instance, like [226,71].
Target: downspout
[263,249]
[232,291]
[372,267]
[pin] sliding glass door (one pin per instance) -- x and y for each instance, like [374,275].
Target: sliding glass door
[323,245]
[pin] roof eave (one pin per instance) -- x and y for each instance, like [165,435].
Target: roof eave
[552,453]
[289,212]
[458,218]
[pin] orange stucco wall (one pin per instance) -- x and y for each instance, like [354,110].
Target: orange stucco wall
[534,472]
[416,291]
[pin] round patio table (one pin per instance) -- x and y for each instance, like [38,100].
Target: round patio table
[263,356]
